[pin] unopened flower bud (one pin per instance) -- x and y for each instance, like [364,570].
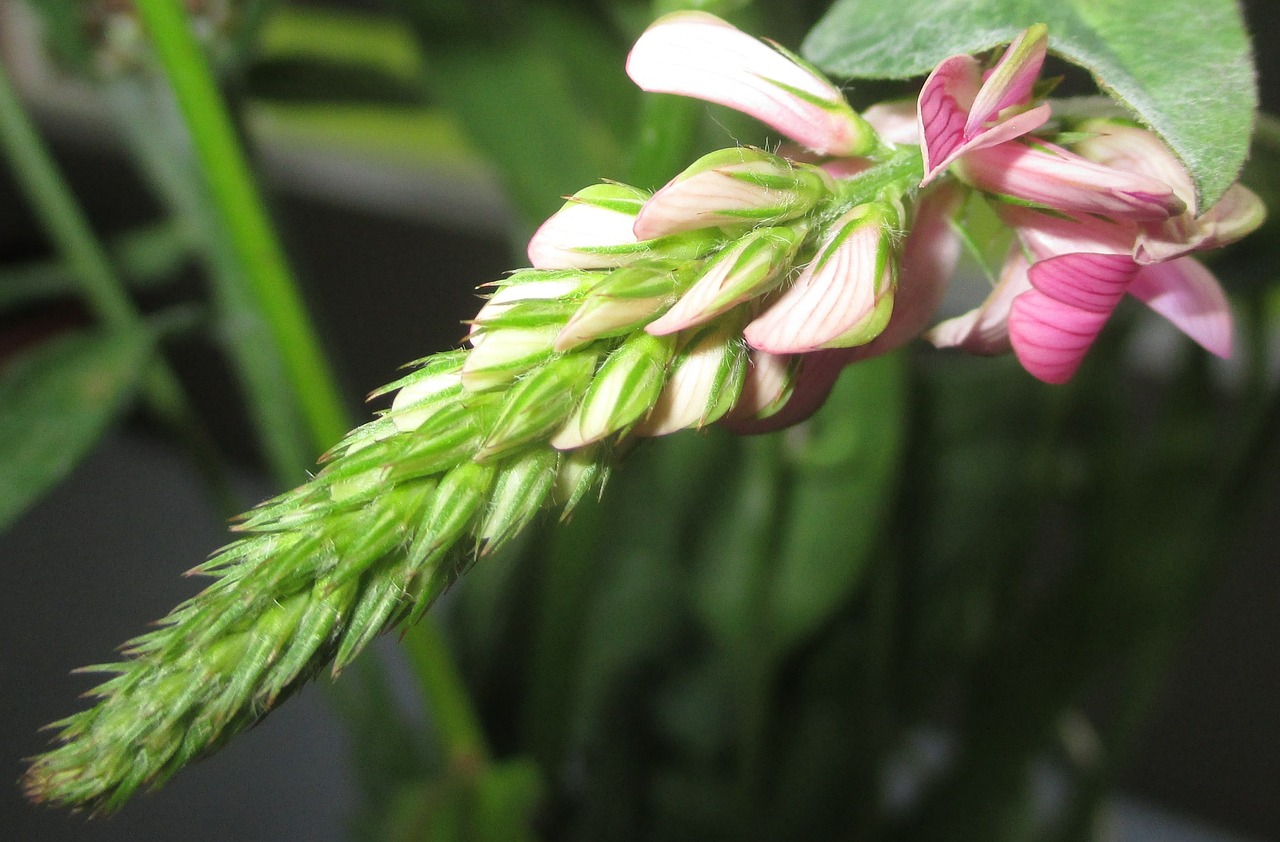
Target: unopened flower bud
[507,353]
[752,266]
[844,297]
[594,231]
[538,404]
[734,186]
[458,498]
[581,470]
[531,285]
[705,382]
[627,299]
[623,391]
[518,494]
[419,400]
[769,381]
[581,234]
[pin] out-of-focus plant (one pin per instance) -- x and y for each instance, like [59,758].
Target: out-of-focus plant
[744,636]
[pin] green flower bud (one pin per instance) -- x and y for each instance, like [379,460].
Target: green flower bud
[623,391]
[538,404]
[705,382]
[627,299]
[737,186]
[521,489]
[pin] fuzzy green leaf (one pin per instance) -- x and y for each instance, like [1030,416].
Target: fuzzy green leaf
[1182,66]
[55,403]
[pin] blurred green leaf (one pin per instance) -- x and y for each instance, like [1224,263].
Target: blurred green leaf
[497,804]
[542,94]
[305,79]
[66,30]
[145,257]
[1184,66]
[845,481]
[55,403]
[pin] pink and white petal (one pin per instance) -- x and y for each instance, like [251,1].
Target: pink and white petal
[929,258]
[1007,130]
[895,122]
[1051,176]
[1093,282]
[943,109]
[1188,295]
[1011,80]
[985,329]
[1237,214]
[698,55]
[835,292]
[1051,338]
[812,383]
[559,242]
[695,305]
[1047,235]
[1136,150]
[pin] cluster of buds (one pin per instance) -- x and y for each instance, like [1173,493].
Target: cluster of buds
[733,294]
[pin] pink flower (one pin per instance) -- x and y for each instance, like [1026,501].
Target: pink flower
[698,55]
[974,127]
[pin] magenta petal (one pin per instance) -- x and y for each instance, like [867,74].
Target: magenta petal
[1094,282]
[1049,337]
[1188,295]
[943,109]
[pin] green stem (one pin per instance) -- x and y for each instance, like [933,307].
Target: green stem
[441,683]
[234,192]
[88,262]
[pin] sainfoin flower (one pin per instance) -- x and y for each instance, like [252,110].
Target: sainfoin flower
[815,260]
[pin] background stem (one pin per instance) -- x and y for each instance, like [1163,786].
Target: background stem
[243,213]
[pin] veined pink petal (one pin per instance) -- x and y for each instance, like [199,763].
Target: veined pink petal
[698,55]
[1011,80]
[985,329]
[837,291]
[1187,294]
[1049,337]
[956,106]
[1051,176]
[558,243]
[1093,282]
[943,109]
